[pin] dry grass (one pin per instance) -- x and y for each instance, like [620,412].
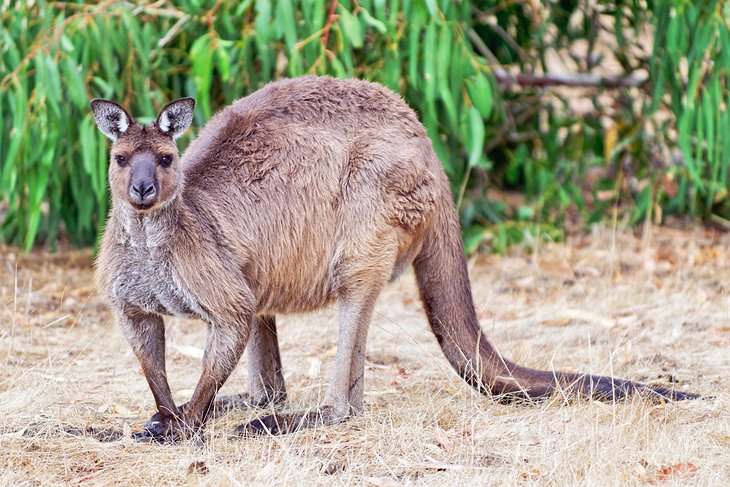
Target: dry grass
[654,309]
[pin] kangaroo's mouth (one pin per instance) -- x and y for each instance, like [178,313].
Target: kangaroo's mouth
[143,206]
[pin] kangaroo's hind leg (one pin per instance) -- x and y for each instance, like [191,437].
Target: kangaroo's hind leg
[360,276]
[266,378]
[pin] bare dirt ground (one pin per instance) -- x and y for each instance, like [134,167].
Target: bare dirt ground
[654,308]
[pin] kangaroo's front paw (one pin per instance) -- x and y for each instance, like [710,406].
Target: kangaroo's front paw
[164,429]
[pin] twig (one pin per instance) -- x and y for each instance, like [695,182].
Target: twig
[482,48]
[508,39]
[173,31]
[719,223]
[328,25]
[578,80]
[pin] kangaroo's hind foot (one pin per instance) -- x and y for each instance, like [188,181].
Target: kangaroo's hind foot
[289,422]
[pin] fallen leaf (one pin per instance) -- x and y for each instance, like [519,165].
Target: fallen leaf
[14,434]
[587,272]
[557,427]
[382,481]
[332,468]
[190,351]
[371,364]
[670,186]
[558,322]
[532,474]
[54,378]
[625,319]
[184,394]
[530,441]
[569,315]
[442,439]
[328,354]
[196,471]
[376,401]
[678,471]
[315,367]
[708,255]
[114,409]
[525,282]
[485,315]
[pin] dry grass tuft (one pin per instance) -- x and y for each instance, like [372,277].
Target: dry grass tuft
[653,309]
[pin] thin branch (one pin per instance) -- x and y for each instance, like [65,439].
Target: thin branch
[578,80]
[330,20]
[487,20]
[173,31]
[482,48]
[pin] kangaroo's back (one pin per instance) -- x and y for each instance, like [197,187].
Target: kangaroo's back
[340,108]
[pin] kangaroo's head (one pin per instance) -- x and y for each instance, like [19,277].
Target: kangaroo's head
[144,169]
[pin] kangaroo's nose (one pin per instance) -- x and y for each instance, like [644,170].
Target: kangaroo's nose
[142,189]
[143,193]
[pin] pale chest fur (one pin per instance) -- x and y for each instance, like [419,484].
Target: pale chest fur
[144,274]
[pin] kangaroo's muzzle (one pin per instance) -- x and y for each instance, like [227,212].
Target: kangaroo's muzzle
[143,189]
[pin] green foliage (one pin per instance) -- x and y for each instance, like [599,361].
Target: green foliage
[643,151]
[55,56]
[692,65]
[58,56]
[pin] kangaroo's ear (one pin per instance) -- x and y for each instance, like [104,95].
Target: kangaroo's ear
[176,117]
[111,118]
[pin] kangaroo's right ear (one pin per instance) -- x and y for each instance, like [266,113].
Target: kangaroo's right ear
[111,118]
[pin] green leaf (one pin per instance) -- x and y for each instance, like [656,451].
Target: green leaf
[75,83]
[224,61]
[432,9]
[351,28]
[473,236]
[414,49]
[476,130]
[87,135]
[429,62]
[443,59]
[373,22]
[480,94]
[202,63]
[525,213]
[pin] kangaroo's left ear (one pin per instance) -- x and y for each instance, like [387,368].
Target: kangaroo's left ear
[176,117]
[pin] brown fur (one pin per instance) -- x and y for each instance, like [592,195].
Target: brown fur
[306,192]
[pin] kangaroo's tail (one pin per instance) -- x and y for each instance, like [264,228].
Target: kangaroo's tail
[445,290]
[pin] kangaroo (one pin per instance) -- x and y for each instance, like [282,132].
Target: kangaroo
[309,191]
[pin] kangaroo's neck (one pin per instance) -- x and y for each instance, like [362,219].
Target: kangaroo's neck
[158,228]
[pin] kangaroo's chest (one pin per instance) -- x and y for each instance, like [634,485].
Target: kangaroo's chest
[149,281]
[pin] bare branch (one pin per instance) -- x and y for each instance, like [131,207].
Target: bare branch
[578,80]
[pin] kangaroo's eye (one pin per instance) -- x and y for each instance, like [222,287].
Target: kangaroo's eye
[166,160]
[121,160]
